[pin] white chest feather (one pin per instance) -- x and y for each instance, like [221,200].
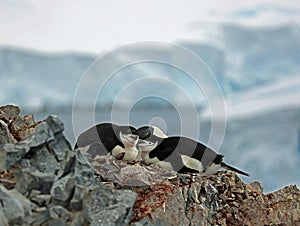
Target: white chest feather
[192,163]
[212,169]
[145,157]
[130,153]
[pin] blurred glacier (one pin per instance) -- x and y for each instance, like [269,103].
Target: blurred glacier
[248,58]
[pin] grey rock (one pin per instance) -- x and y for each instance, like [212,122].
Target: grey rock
[14,153]
[3,218]
[59,146]
[24,163]
[83,171]
[10,111]
[145,222]
[208,195]
[45,161]
[58,212]
[80,168]
[2,158]
[26,204]
[55,124]
[40,199]
[103,206]
[55,222]
[29,179]
[62,191]
[41,136]
[5,135]
[14,206]
[76,201]
[38,217]
[78,220]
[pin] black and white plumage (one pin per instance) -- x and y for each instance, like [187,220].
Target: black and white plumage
[151,133]
[110,138]
[183,155]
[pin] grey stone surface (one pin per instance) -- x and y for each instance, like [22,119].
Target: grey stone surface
[41,199]
[5,136]
[103,206]
[76,201]
[80,168]
[39,217]
[58,212]
[2,158]
[41,136]
[14,206]
[59,146]
[145,222]
[26,204]
[29,179]
[55,124]
[3,218]
[45,161]
[78,220]
[62,191]
[55,222]
[14,153]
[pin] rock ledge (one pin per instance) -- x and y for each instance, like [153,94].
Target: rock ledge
[44,182]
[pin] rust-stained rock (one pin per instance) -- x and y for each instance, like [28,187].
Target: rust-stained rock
[21,127]
[5,135]
[9,112]
[221,199]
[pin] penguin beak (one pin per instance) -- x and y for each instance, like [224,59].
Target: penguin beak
[129,140]
[146,146]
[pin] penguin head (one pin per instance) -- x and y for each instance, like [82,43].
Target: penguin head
[146,146]
[147,131]
[129,139]
[126,129]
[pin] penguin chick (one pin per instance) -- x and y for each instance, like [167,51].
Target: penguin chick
[129,141]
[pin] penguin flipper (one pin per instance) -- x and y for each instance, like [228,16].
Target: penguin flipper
[225,166]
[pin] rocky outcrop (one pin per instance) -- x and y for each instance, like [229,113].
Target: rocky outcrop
[44,182]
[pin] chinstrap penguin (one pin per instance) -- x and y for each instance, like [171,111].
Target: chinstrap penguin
[128,151]
[110,138]
[150,133]
[183,155]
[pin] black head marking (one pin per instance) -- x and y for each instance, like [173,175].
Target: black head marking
[145,132]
